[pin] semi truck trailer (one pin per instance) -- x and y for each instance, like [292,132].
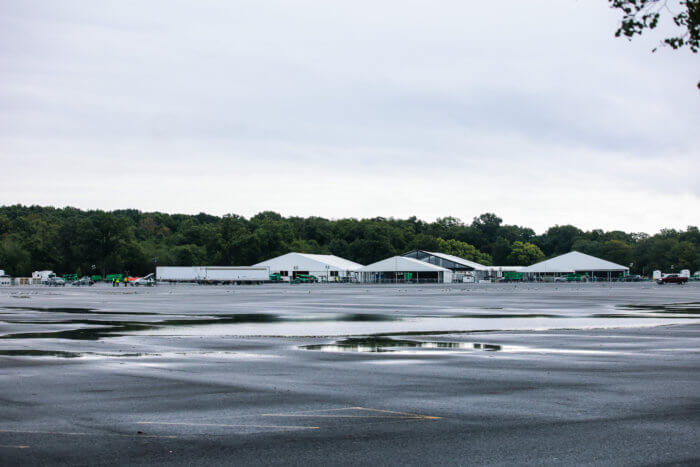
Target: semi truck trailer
[213,274]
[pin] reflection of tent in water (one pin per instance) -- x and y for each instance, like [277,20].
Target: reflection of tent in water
[576,263]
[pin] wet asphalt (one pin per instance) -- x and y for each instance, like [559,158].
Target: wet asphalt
[297,375]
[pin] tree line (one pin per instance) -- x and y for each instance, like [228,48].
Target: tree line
[70,240]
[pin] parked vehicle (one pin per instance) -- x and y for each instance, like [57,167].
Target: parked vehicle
[55,281]
[83,281]
[304,279]
[42,277]
[633,278]
[672,279]
[147,280]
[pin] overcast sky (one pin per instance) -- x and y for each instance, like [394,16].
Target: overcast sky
[529,109]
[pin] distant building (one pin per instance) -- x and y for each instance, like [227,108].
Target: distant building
[5,280]
[328,268]
[463,270]
[402,269]
[575,263]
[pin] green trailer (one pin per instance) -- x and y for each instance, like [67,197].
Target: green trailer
[512,276]
[111,277]
[70,277]
[96,278]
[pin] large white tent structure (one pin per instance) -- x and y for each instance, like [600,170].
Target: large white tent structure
[576,263]
[463,270]
[460,267]
[329,268]
[403,269]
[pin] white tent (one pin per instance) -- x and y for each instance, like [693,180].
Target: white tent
[324,267]
[403,269]
[575,262]
[460,261]
[460,266]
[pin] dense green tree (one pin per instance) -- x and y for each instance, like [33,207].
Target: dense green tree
[71,240]
[524,254]
[463,250]
[558,239]
[14,259]
[501,250]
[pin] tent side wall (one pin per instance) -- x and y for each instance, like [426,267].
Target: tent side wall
[291,265]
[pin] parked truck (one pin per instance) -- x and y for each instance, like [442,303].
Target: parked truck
[42,277]
[213,274]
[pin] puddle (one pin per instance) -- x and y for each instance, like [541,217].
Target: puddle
[103,328]
[63,354]
[78,311]
[43,325]
[386,344]
[691,308]
[38,353]
[383,344]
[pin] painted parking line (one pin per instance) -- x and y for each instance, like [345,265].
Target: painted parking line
[227,425]
[14,446]
[365,412]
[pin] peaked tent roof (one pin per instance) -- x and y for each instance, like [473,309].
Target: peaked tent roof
[337,261]
[459,260]
[574,261]
[330,260]
[402,264]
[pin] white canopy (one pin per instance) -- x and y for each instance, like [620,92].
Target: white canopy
[308,262]
[573,262]
[401,264]
[459,260]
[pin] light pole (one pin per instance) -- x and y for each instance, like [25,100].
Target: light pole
[155,269]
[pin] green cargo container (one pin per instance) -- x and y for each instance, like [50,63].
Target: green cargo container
[70,277]
[512,276]
[95,278]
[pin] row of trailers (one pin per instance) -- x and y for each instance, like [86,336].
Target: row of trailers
[213,274]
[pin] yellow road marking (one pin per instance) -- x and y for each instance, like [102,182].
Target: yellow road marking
[323,414]
[296,427]
[76,433]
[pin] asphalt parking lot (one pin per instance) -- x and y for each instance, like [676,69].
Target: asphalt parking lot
[487,374]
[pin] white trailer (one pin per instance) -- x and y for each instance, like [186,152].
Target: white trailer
[213,274]
[180,273]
